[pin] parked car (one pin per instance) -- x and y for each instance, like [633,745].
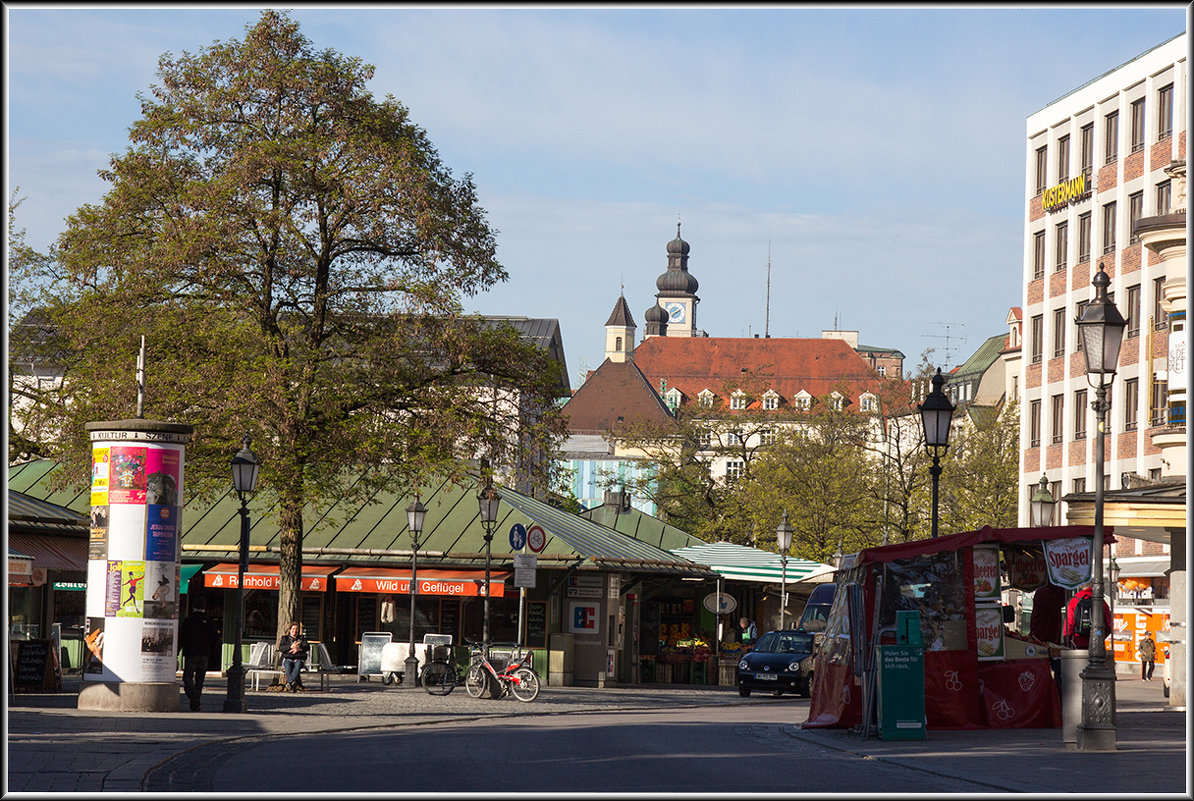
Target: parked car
[782,661]
[816,608]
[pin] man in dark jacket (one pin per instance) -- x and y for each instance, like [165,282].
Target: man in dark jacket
[198,638]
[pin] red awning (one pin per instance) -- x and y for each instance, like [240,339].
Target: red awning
[52,553]
[955,542]
[266,577]
[431,581]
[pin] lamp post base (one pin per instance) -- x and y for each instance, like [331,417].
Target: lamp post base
[1097,730]
[411,676]
[235,700]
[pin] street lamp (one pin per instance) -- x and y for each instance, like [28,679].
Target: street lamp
[935,414]
[1042,504]
[245,467]
[488,500]
[415,513]
[1101,327]
[783,539]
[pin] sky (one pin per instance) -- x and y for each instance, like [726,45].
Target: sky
[874,157]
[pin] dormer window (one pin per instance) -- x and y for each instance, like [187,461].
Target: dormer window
[672,398]
[770,400]
[836,401]
[706,398]
[803,401]
[738,400]
[868,402]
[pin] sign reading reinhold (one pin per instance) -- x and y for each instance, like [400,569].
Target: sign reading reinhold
[1069,561]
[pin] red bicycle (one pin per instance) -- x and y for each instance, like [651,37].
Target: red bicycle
[518,678]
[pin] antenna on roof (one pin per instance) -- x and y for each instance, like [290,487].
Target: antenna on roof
[947,349]
[767,312]
[141,380]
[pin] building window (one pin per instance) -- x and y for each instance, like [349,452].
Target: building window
[733,438]
[868,403]
[1058,421]
[706,398]
[705,439]
[1041,164]
[770,401]
[672,397]
[1058,332]
[738,400]
[882,371]
[1063,159]
[1036,331]
[1081,310]
[1133,311]
[1109,228]
[1160,318]
[1079,485]
[1131,399]
[1063,238]
[1084,237]
[1087,148]
[1138,125]
[836,402]
[1110,137]
[803,401]
[1135,212]
[1164,197]
[1160,400]
[1080,414]
[1034,423]
[1165,111]
[767,436]
[1154,474]
[1038,255]
[733,470]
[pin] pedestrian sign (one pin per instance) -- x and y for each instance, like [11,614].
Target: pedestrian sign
[518,536]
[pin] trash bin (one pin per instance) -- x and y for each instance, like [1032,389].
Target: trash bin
[1073,661]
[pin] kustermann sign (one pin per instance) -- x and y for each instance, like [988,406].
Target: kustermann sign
[1065,193]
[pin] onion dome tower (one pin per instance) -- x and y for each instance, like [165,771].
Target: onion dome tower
[677,290]
[656,319]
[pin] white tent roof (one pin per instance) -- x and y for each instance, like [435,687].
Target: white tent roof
[742,563]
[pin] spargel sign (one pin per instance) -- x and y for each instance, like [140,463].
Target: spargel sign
[1069,561]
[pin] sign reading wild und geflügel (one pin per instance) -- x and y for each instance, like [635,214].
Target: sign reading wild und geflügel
[1068,561]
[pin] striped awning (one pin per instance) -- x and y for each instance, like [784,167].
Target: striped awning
[742,563]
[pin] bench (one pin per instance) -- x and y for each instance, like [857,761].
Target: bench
[262,662]
[322,664]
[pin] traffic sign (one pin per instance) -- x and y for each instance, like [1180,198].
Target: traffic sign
[536,538]
[518,536]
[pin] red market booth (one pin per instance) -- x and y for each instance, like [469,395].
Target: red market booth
[978,672]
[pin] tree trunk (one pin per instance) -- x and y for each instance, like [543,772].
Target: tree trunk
[290,604]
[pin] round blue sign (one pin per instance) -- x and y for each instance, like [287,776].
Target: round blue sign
[518,536]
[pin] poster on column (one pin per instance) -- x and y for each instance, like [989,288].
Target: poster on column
[98,546]
[127,480]
[158,661]
[125,589]
[99,476]
[161,533]
[161,590]
[93,638]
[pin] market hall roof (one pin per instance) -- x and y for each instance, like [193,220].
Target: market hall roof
[743,563]
[30,515]
[642,526]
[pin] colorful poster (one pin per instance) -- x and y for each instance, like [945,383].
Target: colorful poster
[1069,561]
[161,532]
[98,546]
[127,482]
[1026,568]
[161,483]
[132,588]
[986,573]
[112,589]
[93,659]
[99,476]
[988,631]
[161,590]
[158,661]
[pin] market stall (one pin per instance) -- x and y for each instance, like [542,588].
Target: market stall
[979,672]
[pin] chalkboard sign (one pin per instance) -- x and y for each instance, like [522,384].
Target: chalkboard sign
[449,618]
[366,614]
[369,657]
[536,624]
[37,666]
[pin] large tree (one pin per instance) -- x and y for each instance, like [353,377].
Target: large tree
[294,253]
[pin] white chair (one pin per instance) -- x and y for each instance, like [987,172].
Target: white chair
[262,662]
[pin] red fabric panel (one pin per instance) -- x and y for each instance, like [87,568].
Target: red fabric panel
[951,690]
[954,542]
[837,699]
[1019,694]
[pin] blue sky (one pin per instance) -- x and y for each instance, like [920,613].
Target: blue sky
[878,154]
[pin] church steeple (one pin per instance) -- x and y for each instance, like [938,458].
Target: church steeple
[619,333]
[677,291]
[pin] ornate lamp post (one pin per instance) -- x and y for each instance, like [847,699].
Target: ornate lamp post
[935,414]
[783,540]
[414,520]
[1101,327]
[488,500]
[1113,573]
[245,467]
[1042,504]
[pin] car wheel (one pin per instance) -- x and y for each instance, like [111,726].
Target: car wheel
[808,687]
[744,692]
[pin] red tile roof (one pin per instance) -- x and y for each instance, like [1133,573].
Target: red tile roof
[817,366]
[614,395]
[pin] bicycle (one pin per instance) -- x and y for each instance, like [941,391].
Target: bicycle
[439,675]
[518,678]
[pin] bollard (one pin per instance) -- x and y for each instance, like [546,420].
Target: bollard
[1072,664]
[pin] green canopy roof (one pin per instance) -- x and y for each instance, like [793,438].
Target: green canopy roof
[642,526]
[751,564]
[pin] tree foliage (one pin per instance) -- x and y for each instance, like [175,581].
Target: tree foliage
[294,253]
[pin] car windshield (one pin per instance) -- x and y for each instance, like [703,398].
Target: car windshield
[785,642]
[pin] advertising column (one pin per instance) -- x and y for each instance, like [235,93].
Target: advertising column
[133,565]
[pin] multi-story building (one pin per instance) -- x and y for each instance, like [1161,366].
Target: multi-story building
[1098,161]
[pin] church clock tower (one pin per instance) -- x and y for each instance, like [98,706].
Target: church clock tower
[677,292]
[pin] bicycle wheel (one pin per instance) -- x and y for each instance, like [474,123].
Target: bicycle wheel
[438,678]
[525,685]
[475,681]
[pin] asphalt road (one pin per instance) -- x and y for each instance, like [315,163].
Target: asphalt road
[749,748]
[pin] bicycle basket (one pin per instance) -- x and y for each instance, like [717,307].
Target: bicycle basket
[440,653]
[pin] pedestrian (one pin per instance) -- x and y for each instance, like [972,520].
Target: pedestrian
[1079,619]
[198,638]
[747,629]
[294,649]
[1148,656]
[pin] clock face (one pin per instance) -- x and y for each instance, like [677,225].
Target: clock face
[675,312]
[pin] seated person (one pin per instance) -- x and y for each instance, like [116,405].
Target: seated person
[294,649]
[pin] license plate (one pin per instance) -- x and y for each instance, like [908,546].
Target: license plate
[766,677]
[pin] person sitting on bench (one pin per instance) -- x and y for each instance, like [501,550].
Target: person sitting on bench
[294,649]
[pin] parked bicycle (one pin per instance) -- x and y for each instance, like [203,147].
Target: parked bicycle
[517,678]
[439,675]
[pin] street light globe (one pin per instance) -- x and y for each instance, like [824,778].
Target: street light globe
[936,413]
[1042,504]
[415,514]
[245,466]
[1101,327]
[783,534]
